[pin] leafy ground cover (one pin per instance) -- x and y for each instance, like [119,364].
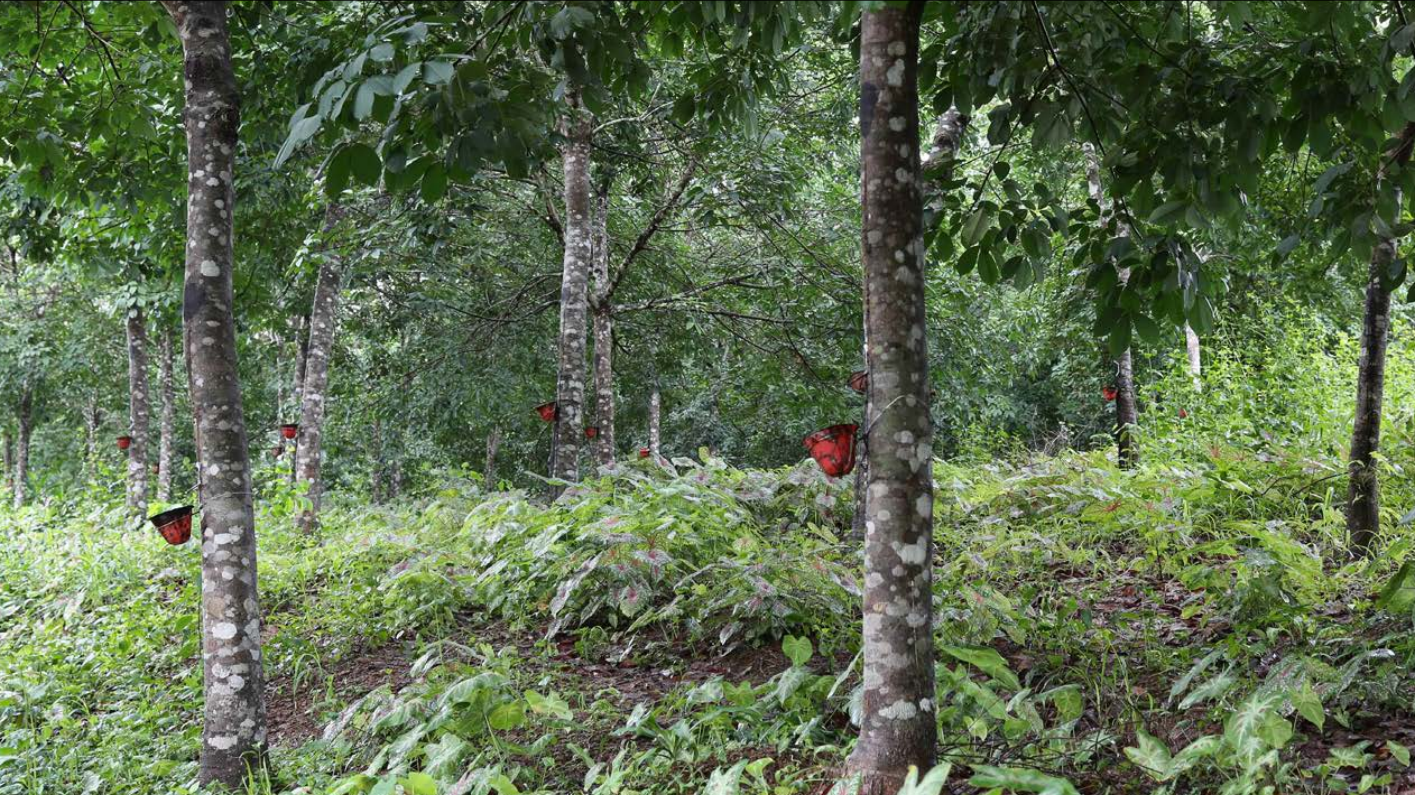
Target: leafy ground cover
[1194,625]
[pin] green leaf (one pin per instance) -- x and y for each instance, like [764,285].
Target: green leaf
[975,227]
[364,163]
[363,101]
[986,660]
[419,784]
[1399,752]
[405,76]
[437,73]
[725,782]
[1120,338]
[381,52]
[336,173]
[1398,595]
[1211,689]
[1151,756]
[1149,330]
[684,108]
[551,705]
[1309,705]
[507,716]
[931,784]
[434,183]
[797,650]
[1168,212]
[1020,780]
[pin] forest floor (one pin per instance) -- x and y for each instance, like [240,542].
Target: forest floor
[1189,627]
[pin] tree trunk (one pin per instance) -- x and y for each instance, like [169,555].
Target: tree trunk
[948,137]
[316,380]
[655,423]
[570,383]
[898,721]
[376,474]
[1127,415]
[26,418]
[493,443]
[1363,494]
[233,732]
[169,418]
[7,455]
[603,331]
[91,424]
[139,411]
[1191,347]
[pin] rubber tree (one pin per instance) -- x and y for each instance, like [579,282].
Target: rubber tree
[947,138]
[1363,494]
[314,389]
[169,415]
[1127,414]
[603,312]
[234,728]
[898,728]
[24,416]
[656,422]
[139,409]
[574,294]
[1194,352]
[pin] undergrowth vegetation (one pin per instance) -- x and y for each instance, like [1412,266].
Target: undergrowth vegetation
[1194,625]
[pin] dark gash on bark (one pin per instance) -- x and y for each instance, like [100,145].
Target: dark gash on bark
[1127,413]
[574,298]
[898,719]
[1363,493]
[233,730]
[139,410]
[314,389]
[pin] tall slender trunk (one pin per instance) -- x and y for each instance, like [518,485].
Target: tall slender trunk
[1127,415]
[1196,361]
[1363,494]
[316,381]
[493,444]
[169,417]
[603,330]
[7,456]
[91,423]
[655,422]
[947,138]
[574,285]
[898,720]
[233,731]
[376,473]
[26,423]
[139,410]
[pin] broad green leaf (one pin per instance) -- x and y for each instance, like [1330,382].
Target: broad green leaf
[1020,780]
[507,716]
[1309,705]
[1211,689]
[419,784]
[986,660]
[975,227]
[797,650]
[1398,752]
[1151,756]
[1398,595]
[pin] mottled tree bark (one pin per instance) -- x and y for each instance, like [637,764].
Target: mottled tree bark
[233,732]
[1363,494]
[7,456]
[1127,415]
[898,721]
[947,138]
[25,415]
[376,473]
[169,417]
[655,423]
[1196,362]
[574,299]
[316,381]
[603,330]
[493,444]
[139,410]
